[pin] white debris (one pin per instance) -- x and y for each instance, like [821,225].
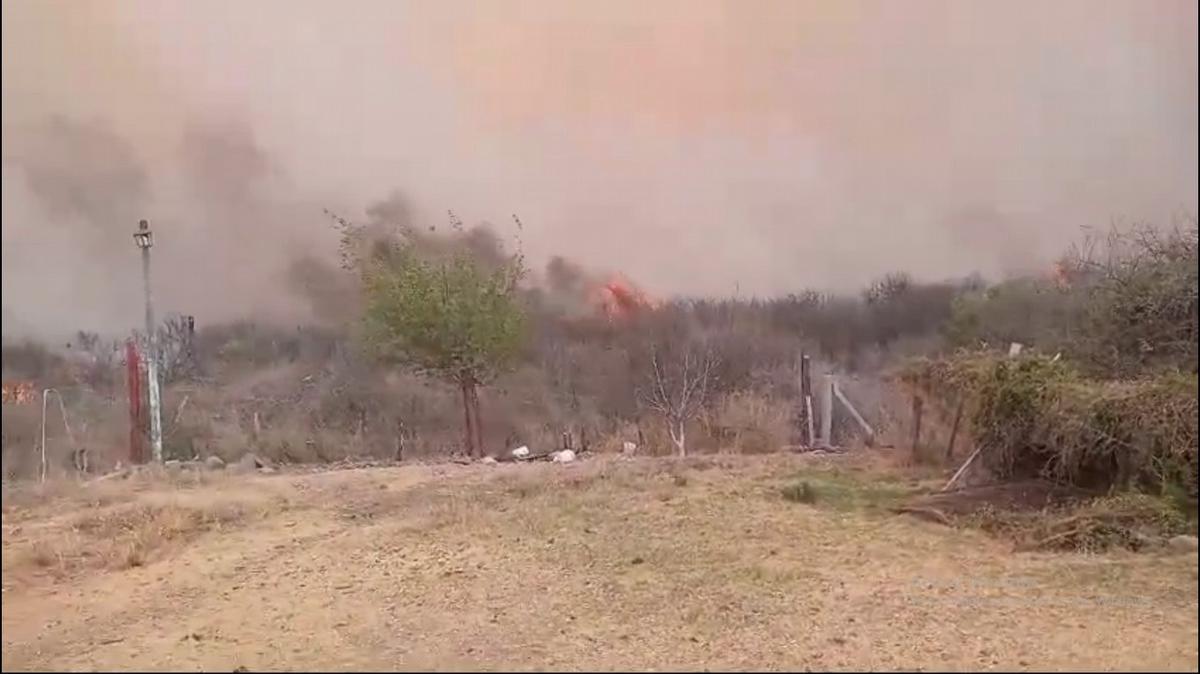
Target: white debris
[565,456]
[521,452]
[487,459]
[629,447]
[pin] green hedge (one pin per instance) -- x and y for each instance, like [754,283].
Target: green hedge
[1037,416]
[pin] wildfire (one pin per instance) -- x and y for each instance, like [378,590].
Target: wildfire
[18,392]
[619,299]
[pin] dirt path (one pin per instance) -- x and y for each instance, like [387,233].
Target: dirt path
[609,566]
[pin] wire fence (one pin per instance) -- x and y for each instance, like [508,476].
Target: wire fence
[84,431]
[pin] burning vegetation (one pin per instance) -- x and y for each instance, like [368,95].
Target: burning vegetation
[618,299]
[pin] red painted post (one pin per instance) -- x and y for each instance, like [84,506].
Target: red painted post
[136,430]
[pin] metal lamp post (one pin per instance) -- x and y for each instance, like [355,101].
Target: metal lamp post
[145,240]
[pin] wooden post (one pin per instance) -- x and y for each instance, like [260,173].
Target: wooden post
[962,469]
[808,413]
[806,399]
[917,407]
[827,413]
[862,423]
[958,412]
[800,416]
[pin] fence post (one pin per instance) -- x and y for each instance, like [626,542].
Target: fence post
[918,406]
[958,412]
[827,413]
[806,411]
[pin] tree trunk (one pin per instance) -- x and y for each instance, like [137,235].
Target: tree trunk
[478,426]
[468,416]
[675,430]
[399,440]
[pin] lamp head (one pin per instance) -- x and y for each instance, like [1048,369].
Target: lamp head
[143,237]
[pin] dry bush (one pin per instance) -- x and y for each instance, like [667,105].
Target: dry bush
[98,423]
[28,359]
[125,535]
[1038,416]
[1120,305]
[750,423]
[1129,521]
[1142,309]
[21,426]
[298,414]
[1035,312]
[613,441]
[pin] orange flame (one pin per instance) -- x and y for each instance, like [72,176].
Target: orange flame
[18,392]
[618,299]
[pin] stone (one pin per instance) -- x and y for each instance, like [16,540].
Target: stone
[249,462]
[1182,543]
[214,463]
[565,456]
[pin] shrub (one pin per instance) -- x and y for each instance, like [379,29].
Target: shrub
[750,423]
[799,492]
[1039,416]
[1117,306]
[1142,300]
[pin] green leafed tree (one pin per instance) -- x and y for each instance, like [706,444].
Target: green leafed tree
[445,313]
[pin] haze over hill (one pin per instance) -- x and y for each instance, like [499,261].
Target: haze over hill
[696,146]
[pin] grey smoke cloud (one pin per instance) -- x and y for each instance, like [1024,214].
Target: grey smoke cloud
[696,146]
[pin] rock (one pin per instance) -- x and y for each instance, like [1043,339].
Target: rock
[565,456]
[214,463]
[1182,543]
[521,452]
[629,447]
[488,460]
[266,470]
[248,463]
[172,465]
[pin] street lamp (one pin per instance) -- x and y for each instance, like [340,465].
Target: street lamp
[144,239]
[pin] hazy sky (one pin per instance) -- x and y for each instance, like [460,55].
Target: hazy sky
[696,146]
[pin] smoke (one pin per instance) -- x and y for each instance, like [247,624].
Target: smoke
[697,146]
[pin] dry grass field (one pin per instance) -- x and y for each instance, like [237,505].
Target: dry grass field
[607,564]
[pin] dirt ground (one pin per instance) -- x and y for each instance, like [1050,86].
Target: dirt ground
[607,564]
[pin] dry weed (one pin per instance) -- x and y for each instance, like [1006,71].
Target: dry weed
[127,534]
[750,423]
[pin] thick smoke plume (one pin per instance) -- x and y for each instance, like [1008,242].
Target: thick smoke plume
[699,147]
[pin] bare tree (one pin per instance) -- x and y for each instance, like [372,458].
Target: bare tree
[176,347]
[678,387]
